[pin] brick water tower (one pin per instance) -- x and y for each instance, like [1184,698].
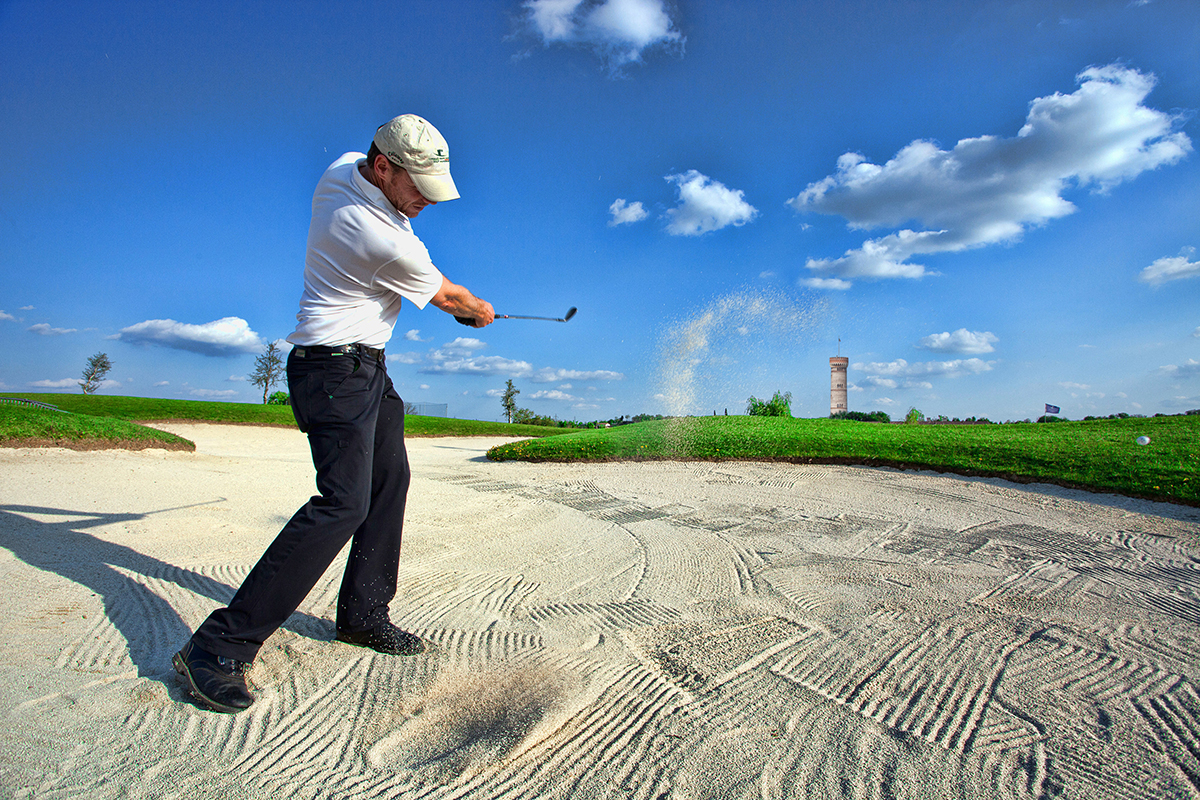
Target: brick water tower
[837,383]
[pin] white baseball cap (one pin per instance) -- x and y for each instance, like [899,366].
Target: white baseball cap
[413,143]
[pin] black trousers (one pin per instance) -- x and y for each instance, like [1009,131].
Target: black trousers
[355,425]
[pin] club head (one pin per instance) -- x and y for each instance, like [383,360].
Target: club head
[570,313]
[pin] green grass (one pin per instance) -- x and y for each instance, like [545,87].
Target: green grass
[23,426]
[147,409]
[1099,455]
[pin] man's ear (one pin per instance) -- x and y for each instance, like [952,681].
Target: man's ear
[381,169]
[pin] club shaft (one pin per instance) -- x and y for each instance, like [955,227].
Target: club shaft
[570,313]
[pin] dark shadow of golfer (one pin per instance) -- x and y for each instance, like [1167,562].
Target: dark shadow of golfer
[150,626]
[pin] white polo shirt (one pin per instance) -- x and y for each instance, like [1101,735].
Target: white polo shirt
[363,257]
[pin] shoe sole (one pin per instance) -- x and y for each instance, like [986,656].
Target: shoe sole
[181,667]
[421,644]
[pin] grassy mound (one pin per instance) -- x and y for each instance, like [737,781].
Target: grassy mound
[148,409]
[1098,455]
[30,426]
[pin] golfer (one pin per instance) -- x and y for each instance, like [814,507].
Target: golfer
[362,259]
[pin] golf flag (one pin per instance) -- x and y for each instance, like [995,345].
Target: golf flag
[1052,409]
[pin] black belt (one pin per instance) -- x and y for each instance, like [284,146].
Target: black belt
[375,353]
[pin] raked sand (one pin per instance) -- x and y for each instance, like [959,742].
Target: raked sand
[670,630]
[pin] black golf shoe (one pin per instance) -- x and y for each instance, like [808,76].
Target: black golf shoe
[385,638]
[217,682]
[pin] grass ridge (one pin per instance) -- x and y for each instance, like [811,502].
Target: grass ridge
[1097,455]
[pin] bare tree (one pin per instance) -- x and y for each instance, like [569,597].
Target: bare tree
[93,374]
[268,367]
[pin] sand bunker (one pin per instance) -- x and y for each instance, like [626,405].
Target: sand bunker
[676,630]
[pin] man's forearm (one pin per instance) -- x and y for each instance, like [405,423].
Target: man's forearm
[457,300]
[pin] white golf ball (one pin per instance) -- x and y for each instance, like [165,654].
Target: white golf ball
[1143,440]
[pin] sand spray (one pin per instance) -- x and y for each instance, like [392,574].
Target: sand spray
[718,351]
[470,720]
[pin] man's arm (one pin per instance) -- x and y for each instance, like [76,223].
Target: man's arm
[456,300]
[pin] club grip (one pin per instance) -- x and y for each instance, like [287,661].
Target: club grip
[468,321]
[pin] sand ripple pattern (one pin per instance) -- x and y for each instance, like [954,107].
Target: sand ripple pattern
[652,631]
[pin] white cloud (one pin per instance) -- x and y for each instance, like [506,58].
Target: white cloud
[551,375]
[457,358]
[228,336]
[623,214]
[405,358]
[826,283]
[5,315]
[1188,369]
[424,387]
[618,31]
[553,19]
[553,394]
[1077,389]
[460,357]
[163,383]
[71,383]
[415,336]
[462,345]
[706,205]
[235,378]
[1171,269]
[1196,333]
[482,365]
[991,189]
[42,329]
[902,374]
[961,341]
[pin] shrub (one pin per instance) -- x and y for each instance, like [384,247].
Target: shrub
[778,406]
[1051,418]
[913,416]
[859,416]
[524,416]
[279,399]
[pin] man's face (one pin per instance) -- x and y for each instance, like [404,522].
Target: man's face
[401,192]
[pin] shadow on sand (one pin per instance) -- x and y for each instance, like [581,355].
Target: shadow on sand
[150,625]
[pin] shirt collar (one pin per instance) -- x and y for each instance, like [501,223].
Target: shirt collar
[373,192]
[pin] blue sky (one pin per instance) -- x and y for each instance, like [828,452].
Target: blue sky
[993,205]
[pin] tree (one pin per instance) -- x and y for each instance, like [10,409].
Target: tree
[267,369]
[778,406]
[509,400]
[93,374]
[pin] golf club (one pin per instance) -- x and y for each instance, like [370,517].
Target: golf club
[570,313]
